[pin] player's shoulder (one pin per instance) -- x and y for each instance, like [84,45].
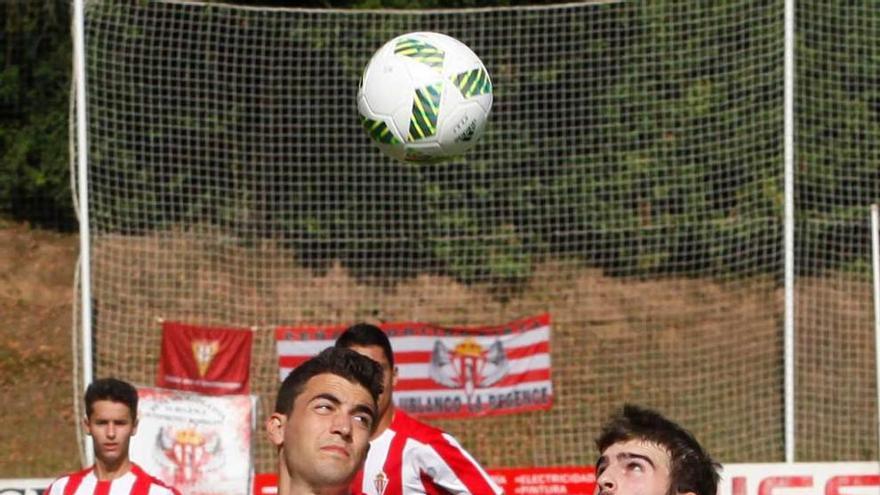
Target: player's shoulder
[57,485]
[411,427]
[157,486]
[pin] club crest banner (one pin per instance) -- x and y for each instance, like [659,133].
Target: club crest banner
[203,359]
[450,371]
[199,444]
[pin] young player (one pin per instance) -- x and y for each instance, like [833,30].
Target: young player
[111,420]
[408,457]
[644,453]
[324,415]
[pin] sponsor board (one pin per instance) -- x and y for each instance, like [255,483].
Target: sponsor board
[838,478]
[24,486]
[575,480]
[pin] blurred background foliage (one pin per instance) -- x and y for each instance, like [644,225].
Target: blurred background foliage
[610,199]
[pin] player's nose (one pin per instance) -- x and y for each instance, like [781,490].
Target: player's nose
[605,484]
[342,424]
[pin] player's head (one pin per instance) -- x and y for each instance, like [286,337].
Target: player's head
[113,390]
[324,416]
[667,458]
[366,335]
[111,419]
[371,341]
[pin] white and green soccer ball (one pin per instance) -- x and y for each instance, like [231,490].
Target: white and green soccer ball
[424,97]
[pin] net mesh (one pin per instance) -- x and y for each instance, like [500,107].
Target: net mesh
[838,102]
[629,184]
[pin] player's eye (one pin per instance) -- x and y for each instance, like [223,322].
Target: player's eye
[364,419]
[324,407]
[635,466]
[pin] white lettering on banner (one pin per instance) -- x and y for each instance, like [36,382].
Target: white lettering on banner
[541,489]
[841,478]
[531,479]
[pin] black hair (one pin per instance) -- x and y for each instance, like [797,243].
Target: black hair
[338,361]
[364,334]
[114,390]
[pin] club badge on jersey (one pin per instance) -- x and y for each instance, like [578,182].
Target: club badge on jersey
[380,482]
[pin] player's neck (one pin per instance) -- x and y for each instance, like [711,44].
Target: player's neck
[110,471]
[297,486]
[385,421]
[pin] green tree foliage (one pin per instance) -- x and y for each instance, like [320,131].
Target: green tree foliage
[34,84]
[675,175]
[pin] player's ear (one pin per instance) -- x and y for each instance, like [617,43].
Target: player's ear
[394,377]
[134,426]
[85,425]
[275,425]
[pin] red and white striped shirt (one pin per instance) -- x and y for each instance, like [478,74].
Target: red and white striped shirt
[134,482]
[411,457]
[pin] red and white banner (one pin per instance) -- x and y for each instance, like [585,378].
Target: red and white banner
[446,372]
[199,444]
[203,359]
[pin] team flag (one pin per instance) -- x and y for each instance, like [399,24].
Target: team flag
[214,361]
[447,372]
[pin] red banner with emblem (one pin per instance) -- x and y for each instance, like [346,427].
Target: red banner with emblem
[451,371]
[208,360]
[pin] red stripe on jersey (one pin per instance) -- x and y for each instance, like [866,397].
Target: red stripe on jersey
[429,486]
[462,467]
[393,462]
[74,480]
[142,482]
[406,384]
[357,484]
[103,487]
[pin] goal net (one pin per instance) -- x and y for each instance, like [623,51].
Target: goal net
[629,184]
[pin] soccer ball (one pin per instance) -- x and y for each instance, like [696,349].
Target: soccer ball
[424,97]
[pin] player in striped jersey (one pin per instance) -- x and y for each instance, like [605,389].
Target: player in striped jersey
[408,457]
[324,415]
[111,420]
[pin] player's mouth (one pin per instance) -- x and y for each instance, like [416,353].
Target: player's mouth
[336,450]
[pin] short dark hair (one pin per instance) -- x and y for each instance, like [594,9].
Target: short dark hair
[338,361]
[114,390]
[691,467]
[364,334]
